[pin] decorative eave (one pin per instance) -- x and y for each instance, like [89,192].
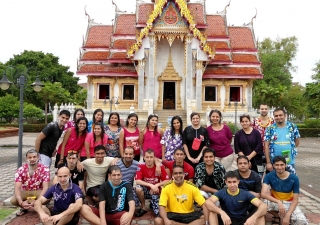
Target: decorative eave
[106,70]
[184,12]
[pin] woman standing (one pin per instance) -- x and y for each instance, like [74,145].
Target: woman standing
[248,142]
[172,139]
[220,138]
[129,136]
[97,117]
[73,140]
[150,136]
[97,137]
[112,130]
[194,140]
[76,115]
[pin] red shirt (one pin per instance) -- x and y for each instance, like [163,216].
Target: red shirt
[188,170]
[34,182]
[149,174]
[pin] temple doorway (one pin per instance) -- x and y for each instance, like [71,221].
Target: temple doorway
[169,95]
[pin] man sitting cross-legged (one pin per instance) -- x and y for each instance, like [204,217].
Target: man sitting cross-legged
[176,202]
[285,189]
[249,179]
[67,201]
[234,204]
[31,181]
[209,174]
[149,183]
[116,202]
[179,155]
[76,176]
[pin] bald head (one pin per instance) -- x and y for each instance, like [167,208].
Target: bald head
[63,170]
[64,176]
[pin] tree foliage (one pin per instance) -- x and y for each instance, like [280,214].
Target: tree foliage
[31,112]
[80,97]
[9,107]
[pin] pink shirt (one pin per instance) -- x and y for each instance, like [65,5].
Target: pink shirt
[131,139]
[152,141]
[220,141]
[92,144]
[74,142]
[34,182]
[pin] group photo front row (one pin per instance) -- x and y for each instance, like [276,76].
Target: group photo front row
[113,190]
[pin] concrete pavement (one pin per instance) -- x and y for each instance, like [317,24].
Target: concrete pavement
[307,163]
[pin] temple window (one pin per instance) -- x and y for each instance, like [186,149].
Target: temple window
[128,92]
[104,91]
[210,93]
[235,94]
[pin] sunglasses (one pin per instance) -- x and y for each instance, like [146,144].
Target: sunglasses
[70,152]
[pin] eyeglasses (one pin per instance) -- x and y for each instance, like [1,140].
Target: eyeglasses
[70,152]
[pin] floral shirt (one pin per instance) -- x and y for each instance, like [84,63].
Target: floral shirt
[257,124]
[112,145]
[171,143]
[218,174]
[34,182]
[271,136]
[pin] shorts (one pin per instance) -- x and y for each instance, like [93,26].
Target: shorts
[93,191]
[74,220]
[154,199]
[297,216]
[111,218]
[184,217]
[45,160]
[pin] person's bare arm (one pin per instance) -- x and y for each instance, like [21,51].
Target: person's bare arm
[261,211]
[297,141]
[164,215]
[87,147]
[63,144]
[141,139]
[121,141]
[102,212]
[38,208]
[265,193]
[72,209]
[37,144]
[55,180]
[17,193]
[294,203]
[211,206]
[45,187]
[255,194]
[81,186]
[267,154]
[126,219]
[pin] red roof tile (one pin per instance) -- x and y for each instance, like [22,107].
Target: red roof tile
[244,58]
[95,56]
[123,43]
[119,55]
[126,24]
[197,12]
[232,70]
[107,68]
[99,36]
[241,38]
[216,26]
[218,44]
[221,57]
[144,11]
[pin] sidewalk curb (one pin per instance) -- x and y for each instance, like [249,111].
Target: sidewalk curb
[310,195]
[8,218]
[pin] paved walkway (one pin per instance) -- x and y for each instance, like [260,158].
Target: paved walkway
[307,163]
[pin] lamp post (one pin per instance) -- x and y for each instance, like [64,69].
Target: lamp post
[112,100]
[37,86]
[236,103]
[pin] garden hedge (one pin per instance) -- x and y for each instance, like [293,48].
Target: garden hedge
[31,128]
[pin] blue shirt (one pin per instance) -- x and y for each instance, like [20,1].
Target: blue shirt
[282,143]
[62,199]
[236,206]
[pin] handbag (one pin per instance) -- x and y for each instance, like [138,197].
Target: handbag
[260,168]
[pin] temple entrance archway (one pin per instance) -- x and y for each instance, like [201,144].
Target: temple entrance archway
[169,95]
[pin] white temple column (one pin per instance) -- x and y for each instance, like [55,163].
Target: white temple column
[199,67]
[189,67]
[151,61]
[89,93]
[141,67]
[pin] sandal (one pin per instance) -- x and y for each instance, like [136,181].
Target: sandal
[21,212]
[140,213]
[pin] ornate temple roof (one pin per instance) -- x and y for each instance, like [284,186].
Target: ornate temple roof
[232,50]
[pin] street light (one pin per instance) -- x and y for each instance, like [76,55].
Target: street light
[112,100]
[236,111]
[37,86]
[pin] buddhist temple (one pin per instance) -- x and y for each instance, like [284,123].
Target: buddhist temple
[170,55]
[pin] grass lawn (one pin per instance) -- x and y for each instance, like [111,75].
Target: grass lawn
[4,212]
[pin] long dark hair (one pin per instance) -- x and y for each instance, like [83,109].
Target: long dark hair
[77,126]
[75,114]
[102,131]
[156,127]
[129,116]
[172,128]
[117,114]
[94,113]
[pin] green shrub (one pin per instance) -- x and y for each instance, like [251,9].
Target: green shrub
[50,119]
[309,132]
[30,128]
[301,125]
[312,123]
[232,126]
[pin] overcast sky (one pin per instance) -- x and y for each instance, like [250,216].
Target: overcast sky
[58,26]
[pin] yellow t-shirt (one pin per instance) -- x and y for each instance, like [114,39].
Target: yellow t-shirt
[180,199]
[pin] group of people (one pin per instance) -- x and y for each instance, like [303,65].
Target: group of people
[99,163]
